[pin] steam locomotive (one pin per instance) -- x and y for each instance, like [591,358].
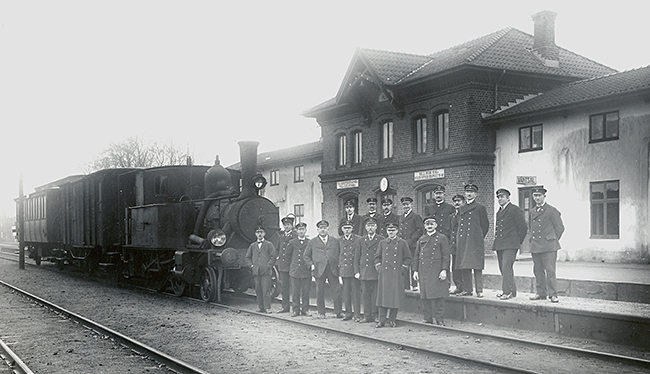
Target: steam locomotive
[173,227]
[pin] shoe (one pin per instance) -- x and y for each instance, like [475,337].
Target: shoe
[283,310]
[392,323]
[379,325]
[465,293]
[537,297]
[305,313]
[320,316]
[440,322]
[500,294]
[295,314]
[506,296]
[456,291]
[347,318]
[367,320]
[261,311]
[339,315]
[554,299]
[427,321]
[268,311]
[479,294]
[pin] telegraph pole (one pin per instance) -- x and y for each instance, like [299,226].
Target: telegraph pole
[19,224]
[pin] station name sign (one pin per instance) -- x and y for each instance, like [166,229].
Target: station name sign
[351,183]
[429,174]
[526,180]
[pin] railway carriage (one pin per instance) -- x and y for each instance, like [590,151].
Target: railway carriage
[169,226]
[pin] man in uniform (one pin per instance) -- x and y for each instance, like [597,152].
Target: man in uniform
[546,229]
[473,225]
[261,254]
[442,211]
[348,244]
[410,229]
[392,258]
[299,271]
[388,215]
[509,232]
[430,267]
[350,216]
[364,263]
[372,212]
[284,261]
[322,256]
[458,201]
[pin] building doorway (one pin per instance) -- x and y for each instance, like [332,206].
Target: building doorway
[526,204]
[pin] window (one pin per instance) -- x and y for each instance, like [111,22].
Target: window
[299,212]
[442,129]
[420,135]
[530,138]
[428,201]
[299,174]
[160,185]
[275,177]
[358,147]
[342,146]
[605,209]
[387,140]
[603,127]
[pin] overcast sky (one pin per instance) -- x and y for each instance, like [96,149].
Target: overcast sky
[78,75]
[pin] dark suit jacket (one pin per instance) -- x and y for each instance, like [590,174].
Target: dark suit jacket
[411,228]
[364,259]
[356,220]
[509,228]
[546,229]
[443,213]
[392,217]
[262,258]
[320,255]
[473,225]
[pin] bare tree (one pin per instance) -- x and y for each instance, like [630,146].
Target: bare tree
[134,152]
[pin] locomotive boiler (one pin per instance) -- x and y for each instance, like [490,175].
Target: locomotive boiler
[176,226]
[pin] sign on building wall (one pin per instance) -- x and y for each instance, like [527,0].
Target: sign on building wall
[352,183]
[429,174]
[526,180]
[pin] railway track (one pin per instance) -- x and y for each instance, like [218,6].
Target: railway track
[462,346]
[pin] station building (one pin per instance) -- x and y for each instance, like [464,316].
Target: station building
[588,144]
[400,123]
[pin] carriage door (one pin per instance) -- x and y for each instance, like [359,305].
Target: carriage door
[526,203]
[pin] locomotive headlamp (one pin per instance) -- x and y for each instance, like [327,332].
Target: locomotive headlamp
[259,182]
[217,238]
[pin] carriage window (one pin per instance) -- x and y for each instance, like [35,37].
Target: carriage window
[161,185]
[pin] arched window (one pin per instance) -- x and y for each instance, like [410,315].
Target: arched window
[341,147]
[358,147]
[387,140]
[442,129]
[420,134]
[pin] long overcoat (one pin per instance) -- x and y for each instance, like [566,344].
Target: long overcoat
[442,213]
[546,229]
[348,249]
[364,260]
[473,225]
[261,257]
[320,255]
[392,255]
[298,267]
[385,220]
[510,228]
[431,257]
[411,228]
[284,257]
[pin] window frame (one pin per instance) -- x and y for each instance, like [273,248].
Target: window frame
[274,177]
[357,156]
[420,130]
[299,212]
[341,150]
[442,130]
[387,140]
[531,147]
[600,217]
[300,175]
[604,123]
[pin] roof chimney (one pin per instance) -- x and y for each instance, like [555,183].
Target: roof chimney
[544,39]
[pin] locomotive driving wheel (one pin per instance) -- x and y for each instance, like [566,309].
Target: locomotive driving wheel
[178,286]
[208,285]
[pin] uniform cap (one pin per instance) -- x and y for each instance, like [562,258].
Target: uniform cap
[372,220]
[301,224]
[387,201]
[541,190]
[503,191]
[347,223]
[458,197]
[260,228]
[471,187]
[372,200]
[322,223]
[429,218]
[392,225]
[439,188]
[349,203]
[406,199]
[288,219]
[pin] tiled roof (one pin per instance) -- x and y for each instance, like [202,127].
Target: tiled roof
[581,91]
[302,151]
[508,49]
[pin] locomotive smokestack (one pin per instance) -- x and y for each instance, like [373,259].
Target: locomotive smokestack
[248,158]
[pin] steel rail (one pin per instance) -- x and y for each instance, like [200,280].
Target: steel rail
[169,361]
[12,360]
